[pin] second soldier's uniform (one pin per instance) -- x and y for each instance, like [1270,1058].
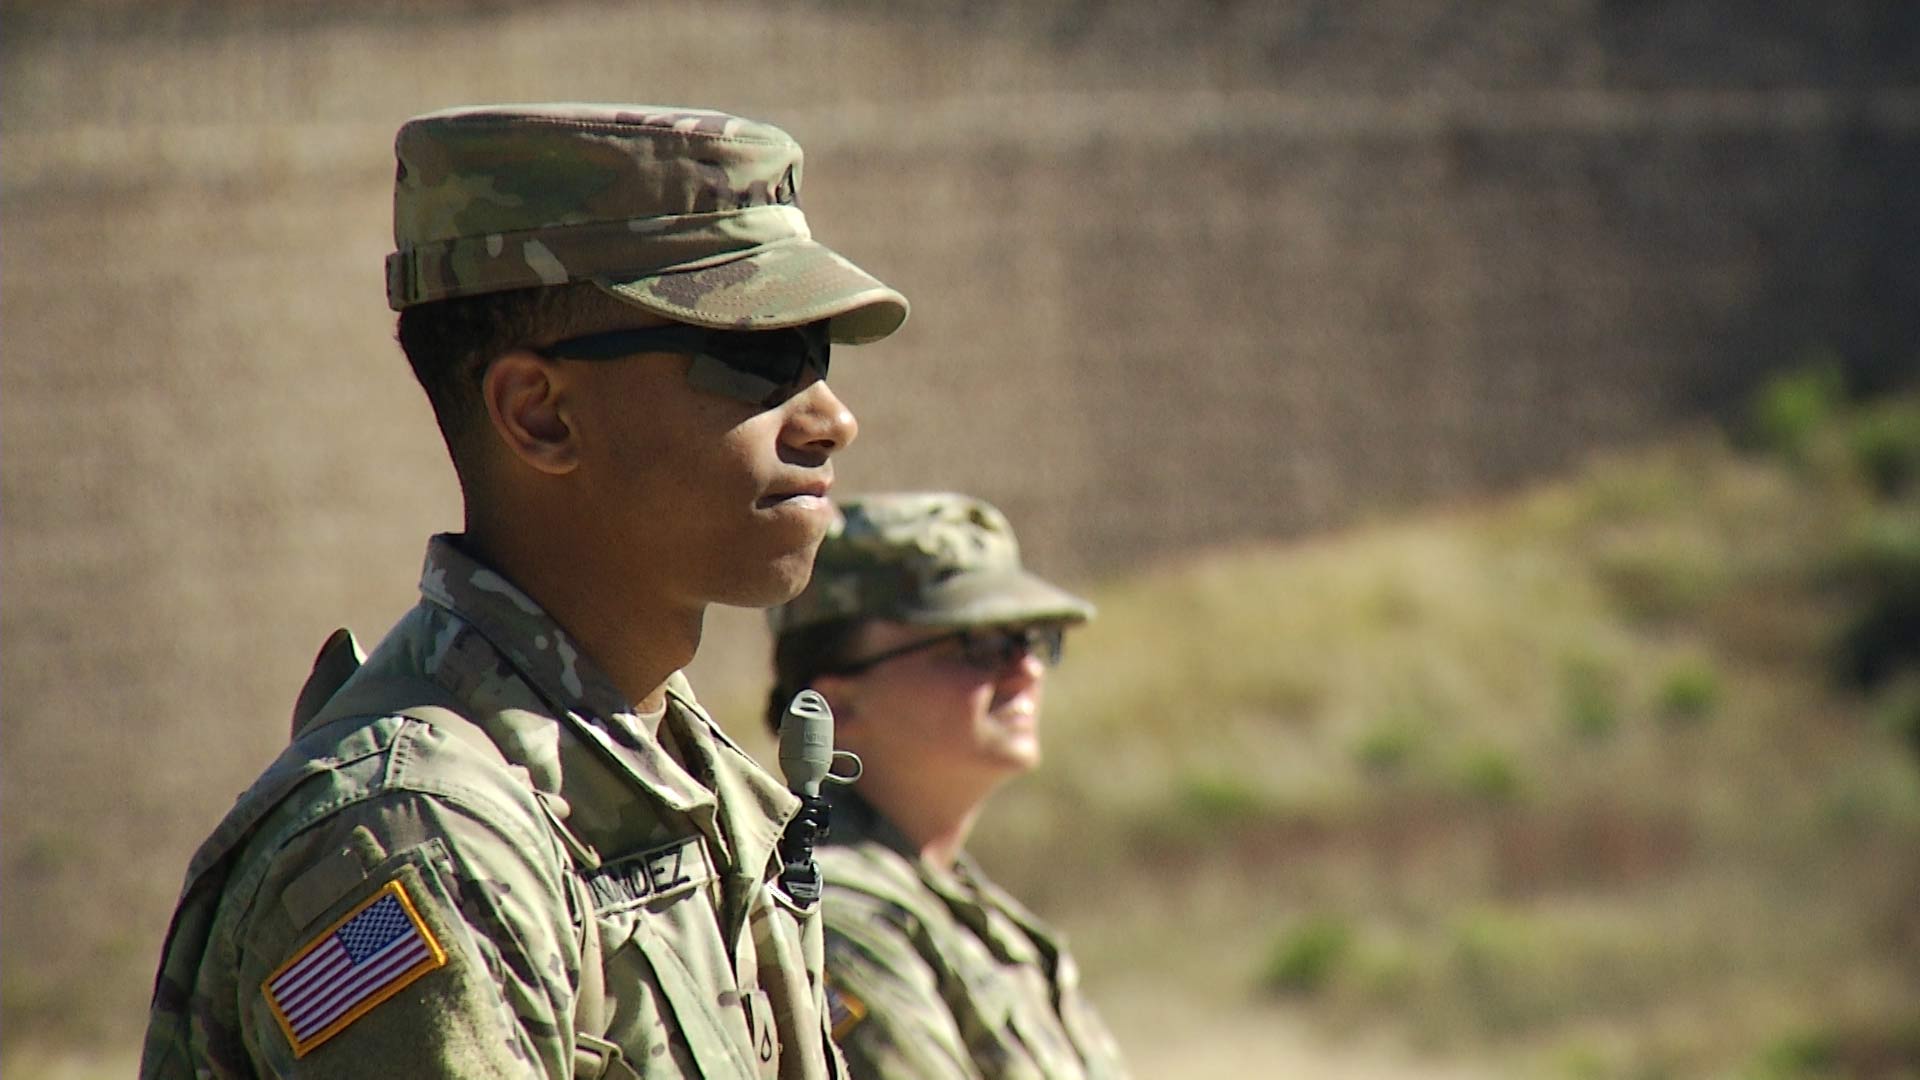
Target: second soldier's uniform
[940,974]
[933,971]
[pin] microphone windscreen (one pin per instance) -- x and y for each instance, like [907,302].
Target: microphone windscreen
[806,742]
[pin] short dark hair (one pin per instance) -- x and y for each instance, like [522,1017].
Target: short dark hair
[451,343]
[801,655]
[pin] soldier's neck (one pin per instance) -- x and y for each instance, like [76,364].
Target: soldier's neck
[943,848]
[637,639]
[936,823]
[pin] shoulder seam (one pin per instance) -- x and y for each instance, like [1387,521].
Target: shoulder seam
[472,801]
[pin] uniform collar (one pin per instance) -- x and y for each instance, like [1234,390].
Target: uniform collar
[853,820]
[728,796]
[751,809]
[964,888]
[538,683]
[519,629]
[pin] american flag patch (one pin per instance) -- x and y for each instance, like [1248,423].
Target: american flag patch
[361,961]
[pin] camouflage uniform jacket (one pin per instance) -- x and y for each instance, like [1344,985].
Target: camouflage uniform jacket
[934,974]
[496,843]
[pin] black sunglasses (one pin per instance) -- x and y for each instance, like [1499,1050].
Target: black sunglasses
[983,650]
[759,367]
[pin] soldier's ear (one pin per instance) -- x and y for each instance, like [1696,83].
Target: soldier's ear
[525,395]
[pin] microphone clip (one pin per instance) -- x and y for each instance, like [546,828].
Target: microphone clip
[807,757]
[799,873]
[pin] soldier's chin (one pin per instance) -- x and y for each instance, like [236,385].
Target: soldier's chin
[1018,753]
[782,580]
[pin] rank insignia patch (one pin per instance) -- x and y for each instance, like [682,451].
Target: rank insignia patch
[362,960]
[844,1011]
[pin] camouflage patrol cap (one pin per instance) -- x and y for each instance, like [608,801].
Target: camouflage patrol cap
[687,213]
[932,559]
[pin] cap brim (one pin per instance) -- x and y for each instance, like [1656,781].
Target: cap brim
[789,283]
[983,599]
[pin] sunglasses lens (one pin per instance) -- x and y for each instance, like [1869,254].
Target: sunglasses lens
[780,356]
[760,367]
[1052,643]
[767,366]
[996,650]
[1046,642]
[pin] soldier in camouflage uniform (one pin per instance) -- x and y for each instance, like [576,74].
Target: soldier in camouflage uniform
[510,842]
[931,643]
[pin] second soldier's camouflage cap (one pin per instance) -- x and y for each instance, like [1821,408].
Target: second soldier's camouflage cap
[934,559]
[687,213]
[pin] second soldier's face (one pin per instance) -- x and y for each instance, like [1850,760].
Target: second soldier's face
[703,498]
[939,718]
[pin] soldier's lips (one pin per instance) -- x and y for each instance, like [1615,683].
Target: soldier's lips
[1019,716]
[804,491]
[804,502]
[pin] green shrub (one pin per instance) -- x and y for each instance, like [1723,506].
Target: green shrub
[1800,1054]
[1388,745]
[1897,712]
[1653,583]
[1494,961]
[1883,568]
[1489,773]
[1791,408]
[1308,955]
[1582,1061]
[1885,442]
[1689,690]
[1212,800]
[1885,555]
[1590,697]
[1884,1045]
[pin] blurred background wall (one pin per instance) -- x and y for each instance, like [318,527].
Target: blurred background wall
[1182,274]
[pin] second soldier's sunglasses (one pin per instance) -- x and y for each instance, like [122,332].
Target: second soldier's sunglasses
[759,367]
[989,651]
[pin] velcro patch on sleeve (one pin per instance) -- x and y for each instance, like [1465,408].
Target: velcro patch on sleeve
[363,959]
